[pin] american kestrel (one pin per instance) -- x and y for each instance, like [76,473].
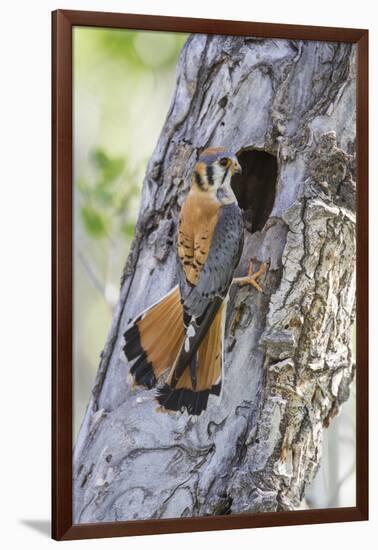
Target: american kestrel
[183,332]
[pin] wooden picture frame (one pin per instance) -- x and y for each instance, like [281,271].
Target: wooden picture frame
[62,265]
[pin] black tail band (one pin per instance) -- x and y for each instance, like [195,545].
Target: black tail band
[179,399]
[141,369]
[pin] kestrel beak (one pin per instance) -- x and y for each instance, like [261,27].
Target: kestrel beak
[236,168]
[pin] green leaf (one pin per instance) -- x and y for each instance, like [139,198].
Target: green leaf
[94,222]
[103,196]
[128,230]
[109,169]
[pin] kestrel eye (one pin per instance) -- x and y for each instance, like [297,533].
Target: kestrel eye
[224,161]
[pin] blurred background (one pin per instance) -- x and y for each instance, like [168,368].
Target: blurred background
[122,86]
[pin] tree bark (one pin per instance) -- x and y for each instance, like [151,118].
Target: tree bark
[288,108]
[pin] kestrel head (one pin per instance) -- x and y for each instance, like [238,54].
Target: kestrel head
[215,168]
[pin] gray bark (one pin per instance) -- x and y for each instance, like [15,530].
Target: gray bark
[288,351]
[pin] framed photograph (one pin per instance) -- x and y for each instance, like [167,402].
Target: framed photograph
[210,296]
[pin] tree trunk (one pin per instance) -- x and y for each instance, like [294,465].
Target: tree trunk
[288,109]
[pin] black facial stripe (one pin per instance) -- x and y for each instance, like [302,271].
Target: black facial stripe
[198,179]
[225,174]
[210,175]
